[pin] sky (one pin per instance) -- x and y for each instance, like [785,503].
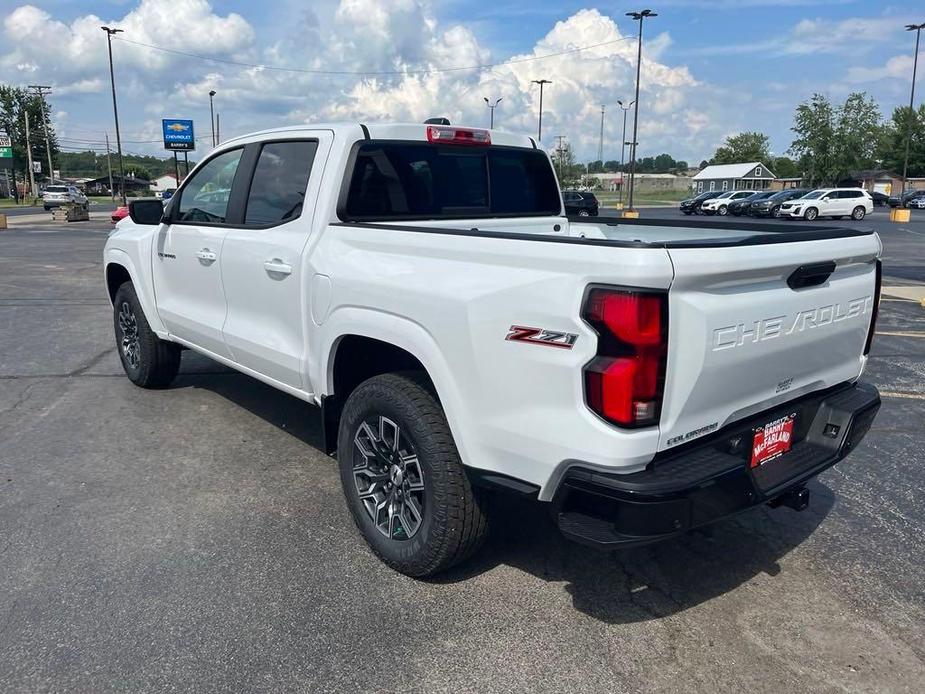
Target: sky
[710,68]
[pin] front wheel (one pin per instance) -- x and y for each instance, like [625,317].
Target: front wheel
[584,213]
[402,477]
[811,214]
[148,361]
[858,213]
[723,211]
[775,212]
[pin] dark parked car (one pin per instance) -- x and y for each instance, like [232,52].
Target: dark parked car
[909,195]
[744,205]
[692,205]
[581,203]
[770,206]
[880,199]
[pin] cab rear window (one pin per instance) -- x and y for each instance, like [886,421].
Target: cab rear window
[410,180]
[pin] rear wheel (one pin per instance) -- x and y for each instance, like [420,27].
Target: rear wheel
[858,213]
[584,213]
[811,214]
[402,477]
[148,361]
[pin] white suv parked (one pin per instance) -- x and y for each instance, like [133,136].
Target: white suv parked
[830,202]
[720,204]
[61,194]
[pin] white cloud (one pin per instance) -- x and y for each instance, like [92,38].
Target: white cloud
[678,113]
[897,67]
[815,36]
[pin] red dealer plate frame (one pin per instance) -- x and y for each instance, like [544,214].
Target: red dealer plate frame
[772,440]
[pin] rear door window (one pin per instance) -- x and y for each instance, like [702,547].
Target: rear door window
[277,191]
[410,180]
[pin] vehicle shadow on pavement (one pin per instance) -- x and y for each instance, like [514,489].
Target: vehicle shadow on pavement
[653,581]
[286,412]
[621,586]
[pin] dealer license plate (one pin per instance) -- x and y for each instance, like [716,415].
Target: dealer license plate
[772,440]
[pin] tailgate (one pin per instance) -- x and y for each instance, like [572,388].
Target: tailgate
[742,340]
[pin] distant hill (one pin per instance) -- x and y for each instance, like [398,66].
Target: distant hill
[93,165]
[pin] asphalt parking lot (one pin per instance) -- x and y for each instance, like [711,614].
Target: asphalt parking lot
[196,539]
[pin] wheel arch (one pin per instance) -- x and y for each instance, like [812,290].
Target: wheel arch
[118,268]
[370,343]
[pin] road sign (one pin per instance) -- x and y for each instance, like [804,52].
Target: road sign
[6,147]
[178,135]
[37,167]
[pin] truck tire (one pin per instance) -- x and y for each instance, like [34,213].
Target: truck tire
[858,213]
[148,361]
[810,214]
[402,477]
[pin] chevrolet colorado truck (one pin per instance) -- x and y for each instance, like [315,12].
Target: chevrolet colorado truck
[462,337]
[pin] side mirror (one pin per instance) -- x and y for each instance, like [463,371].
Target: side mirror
[146,211]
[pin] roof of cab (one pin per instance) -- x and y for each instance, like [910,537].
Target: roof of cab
[383,131]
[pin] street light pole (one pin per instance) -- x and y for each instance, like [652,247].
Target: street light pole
[212,115]
[917,28]
[41,90]
[492,108]
[625,108]
[600,144]
[638,16]
[115,110]
[539,133]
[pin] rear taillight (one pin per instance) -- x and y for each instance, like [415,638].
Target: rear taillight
[878,281]
[457,136]
[625,382]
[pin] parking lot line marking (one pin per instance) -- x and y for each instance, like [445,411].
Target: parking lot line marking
[907,396]
[901,334]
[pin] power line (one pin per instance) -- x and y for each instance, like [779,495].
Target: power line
[304,71]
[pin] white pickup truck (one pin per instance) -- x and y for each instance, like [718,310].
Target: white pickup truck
[462,337]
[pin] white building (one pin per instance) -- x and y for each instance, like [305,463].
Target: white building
[165,182]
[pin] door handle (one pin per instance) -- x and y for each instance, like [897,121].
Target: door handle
[278,267]
[207,255]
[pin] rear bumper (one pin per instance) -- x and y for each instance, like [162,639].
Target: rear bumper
[707,480]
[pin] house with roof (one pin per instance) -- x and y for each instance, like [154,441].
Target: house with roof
[874,180]
[720,177]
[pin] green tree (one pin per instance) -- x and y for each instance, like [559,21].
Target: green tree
[596,166]
[858,133]
[611,166]
[785,167]
[14,103]
[833,141]
[744,147]
[892,147]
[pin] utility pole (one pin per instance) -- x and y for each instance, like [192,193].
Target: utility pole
[559,153]
[115,110]
[539,133]
[41,90]
[917,28]
[638,16]
[623,149]
[492,108]
[212,115]
[112,193]
[600,145]
[25,114]
[218,129]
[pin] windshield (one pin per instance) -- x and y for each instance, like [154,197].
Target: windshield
[814,195]
[418,180]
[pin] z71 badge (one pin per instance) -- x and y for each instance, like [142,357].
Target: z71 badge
[541,336]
